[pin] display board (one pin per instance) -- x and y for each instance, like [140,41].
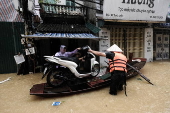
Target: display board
[148,44]
[104,43]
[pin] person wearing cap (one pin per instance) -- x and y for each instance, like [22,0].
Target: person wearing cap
[63,52]
[117,66]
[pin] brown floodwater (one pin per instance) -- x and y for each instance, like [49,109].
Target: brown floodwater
[141,96]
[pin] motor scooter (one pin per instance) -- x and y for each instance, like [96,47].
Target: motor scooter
[70,70]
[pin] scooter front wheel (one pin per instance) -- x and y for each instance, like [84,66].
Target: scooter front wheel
[95,70]
[54,78]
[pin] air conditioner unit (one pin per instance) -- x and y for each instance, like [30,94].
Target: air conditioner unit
[31,6]
[16,4]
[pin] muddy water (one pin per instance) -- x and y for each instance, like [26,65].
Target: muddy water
[142,97]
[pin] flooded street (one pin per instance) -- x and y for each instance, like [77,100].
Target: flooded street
[142,97]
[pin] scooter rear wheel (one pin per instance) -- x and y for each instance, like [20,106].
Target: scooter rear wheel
[54,78]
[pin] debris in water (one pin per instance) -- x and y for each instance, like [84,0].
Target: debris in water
[139,79]
[5,80]
[56,103]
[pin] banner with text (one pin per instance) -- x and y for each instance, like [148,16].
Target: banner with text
[148,44]
[104,44]
[143,10]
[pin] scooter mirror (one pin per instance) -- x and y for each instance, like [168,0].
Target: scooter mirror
[86,48]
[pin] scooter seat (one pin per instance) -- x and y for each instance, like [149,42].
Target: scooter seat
[73,59]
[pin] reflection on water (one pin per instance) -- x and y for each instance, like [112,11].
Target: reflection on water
[142,97]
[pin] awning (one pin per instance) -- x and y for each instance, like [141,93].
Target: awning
[61,28]
[62,35]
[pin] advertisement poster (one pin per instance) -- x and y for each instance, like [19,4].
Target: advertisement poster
[148,44]
[162,47]
[104,44]
[143,10]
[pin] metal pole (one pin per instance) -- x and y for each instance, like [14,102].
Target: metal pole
[14,41]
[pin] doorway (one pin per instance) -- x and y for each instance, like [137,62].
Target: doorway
[162,47]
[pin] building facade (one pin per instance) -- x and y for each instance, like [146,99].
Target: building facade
[132,26]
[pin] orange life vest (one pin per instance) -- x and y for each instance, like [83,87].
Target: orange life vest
[118,63]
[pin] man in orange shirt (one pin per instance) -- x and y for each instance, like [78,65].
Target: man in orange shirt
[117,65]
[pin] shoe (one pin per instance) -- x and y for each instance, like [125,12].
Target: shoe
[113,93]
[120,88]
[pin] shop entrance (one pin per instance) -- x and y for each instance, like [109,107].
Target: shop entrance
[134,39]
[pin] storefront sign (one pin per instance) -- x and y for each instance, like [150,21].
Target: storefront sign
[104,44]
[143,10]
[148,44]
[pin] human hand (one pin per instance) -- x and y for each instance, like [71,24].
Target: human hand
[89,50]
[78,48]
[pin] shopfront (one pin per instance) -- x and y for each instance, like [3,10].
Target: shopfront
[131,26]
[161,41]
[130,38]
